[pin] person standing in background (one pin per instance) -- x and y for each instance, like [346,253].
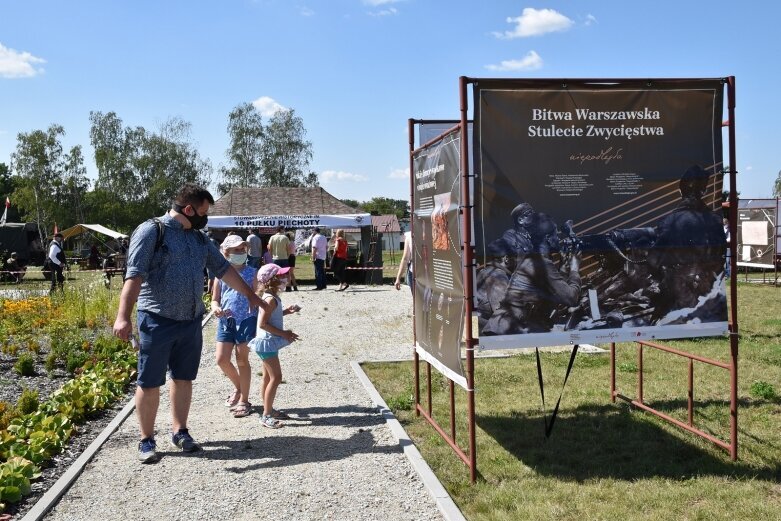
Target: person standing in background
[255,249]
[405,265]
[291,259]
[278,246]
[339,260]
[319,252]
[57,261]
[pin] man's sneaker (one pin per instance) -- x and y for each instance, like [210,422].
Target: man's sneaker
[147,452]
[184,441]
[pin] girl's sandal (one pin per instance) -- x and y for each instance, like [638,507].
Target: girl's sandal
[233,398]
[269,422]
[279,415]
[242,409]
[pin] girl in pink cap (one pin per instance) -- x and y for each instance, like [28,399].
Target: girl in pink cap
[272,337]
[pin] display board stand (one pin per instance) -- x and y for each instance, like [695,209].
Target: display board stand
[469,456]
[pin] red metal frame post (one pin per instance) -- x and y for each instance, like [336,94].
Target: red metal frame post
[466,232]
[733,224]
[613,372]
[415,358]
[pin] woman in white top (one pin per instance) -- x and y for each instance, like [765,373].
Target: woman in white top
[405,265]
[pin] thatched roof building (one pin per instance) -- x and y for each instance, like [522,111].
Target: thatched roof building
[279,201]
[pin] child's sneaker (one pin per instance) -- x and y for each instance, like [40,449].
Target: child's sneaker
[147,451]
[184,441]
[270,422]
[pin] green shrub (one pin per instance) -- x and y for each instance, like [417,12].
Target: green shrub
[27,402]
[51,362]
[628,367]
[402,402]
[105,346]
[7,413]
[25,365]
[75,360]
[764,390]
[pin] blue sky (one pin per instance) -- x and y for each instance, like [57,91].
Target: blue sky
[356,70]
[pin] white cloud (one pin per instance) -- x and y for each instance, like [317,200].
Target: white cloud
[332,175]
[376,3]
[530,62]
[305,11]
[749,168]
[267,106]
[385,12]
[536,22]
[15,64]
[399,173]
[590,19]
[388,11]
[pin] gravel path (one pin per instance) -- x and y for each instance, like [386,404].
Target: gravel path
[336,459]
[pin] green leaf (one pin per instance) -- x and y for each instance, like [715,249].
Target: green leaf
[11,494]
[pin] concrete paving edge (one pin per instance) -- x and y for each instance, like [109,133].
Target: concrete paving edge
[446,505]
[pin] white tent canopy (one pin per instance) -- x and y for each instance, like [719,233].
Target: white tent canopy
[81,228]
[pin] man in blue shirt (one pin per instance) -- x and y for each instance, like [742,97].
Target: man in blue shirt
[165,276]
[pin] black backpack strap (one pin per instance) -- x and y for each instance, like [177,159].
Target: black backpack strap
[160,233]
[549,425]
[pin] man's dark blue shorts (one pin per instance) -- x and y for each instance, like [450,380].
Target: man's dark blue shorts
[165,344]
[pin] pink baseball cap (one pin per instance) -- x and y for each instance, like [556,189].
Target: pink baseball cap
[269,271]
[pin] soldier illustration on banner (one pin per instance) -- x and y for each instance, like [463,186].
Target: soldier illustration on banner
[669,273]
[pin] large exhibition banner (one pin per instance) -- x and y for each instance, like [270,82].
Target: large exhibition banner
[439,286]
[597,211]
[757,232]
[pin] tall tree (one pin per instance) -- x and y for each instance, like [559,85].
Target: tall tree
[140,171]
[167,160]
[352,203]
[386,205]
[245,153]
[286,152]
[75,185]
[116,149]
[40,165]
[275,154]
[777,186]
[7,187]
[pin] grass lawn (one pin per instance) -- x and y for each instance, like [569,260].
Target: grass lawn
[34,280]
[608,461]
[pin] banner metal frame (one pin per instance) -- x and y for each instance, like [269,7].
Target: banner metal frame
[470,456]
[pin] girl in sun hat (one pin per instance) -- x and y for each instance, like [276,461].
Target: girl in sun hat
[237,325]
[272,279]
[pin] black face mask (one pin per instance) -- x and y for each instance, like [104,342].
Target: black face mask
[197,221]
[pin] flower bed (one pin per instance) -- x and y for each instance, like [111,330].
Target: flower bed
[59,366]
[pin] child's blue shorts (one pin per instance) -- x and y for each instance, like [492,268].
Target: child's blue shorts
[227,331]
